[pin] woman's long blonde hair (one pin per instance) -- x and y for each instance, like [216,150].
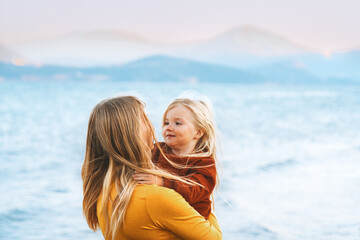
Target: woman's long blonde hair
[119,139]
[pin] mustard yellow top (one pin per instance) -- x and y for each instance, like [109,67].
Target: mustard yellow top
[161,213]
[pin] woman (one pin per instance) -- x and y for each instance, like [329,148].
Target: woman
[119,141]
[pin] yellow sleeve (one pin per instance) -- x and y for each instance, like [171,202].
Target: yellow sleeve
[169,210]
[213,221]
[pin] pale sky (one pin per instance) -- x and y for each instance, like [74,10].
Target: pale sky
[323,24]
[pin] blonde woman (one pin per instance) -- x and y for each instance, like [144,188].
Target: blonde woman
[119,142]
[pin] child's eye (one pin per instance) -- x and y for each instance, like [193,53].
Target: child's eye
[178,123]
[166,123]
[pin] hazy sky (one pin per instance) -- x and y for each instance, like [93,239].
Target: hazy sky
[322,24]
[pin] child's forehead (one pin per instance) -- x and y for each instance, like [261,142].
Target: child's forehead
[180,112]
[180,109]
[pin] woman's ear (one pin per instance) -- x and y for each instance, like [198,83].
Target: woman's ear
[199,133]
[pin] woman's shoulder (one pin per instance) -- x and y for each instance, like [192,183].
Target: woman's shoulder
[154,191]
[162,201]
[156,195]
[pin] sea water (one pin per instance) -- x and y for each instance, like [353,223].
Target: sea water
[289,163]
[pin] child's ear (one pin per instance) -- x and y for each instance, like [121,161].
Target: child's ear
[199,133]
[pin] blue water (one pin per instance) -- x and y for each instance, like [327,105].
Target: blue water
[290,157]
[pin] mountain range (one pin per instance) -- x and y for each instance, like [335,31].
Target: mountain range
[163,68]
[242,54]
[103,48]
[154,68]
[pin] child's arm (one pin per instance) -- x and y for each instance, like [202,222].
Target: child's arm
[206,176]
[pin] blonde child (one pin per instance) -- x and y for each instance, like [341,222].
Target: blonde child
[189,150]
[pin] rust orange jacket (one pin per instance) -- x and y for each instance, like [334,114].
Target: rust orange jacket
[197,196]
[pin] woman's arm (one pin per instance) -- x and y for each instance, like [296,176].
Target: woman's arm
[205,175]
[170,211]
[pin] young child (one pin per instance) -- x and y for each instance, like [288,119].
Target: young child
[189,151]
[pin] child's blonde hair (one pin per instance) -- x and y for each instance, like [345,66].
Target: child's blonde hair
[203,119]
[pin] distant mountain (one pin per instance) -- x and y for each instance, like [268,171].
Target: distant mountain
[242,47]
[101,48]
[256,41]
[237,47]
[112,35]
[339,65]
[286,72]
[163,68]
[241,53]
[156,68]
[7,55]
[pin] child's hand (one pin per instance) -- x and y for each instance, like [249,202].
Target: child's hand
[147,178]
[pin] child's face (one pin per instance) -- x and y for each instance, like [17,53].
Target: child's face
[179,131]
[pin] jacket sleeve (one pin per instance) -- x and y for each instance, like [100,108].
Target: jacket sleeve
[205,175]
[171,212]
